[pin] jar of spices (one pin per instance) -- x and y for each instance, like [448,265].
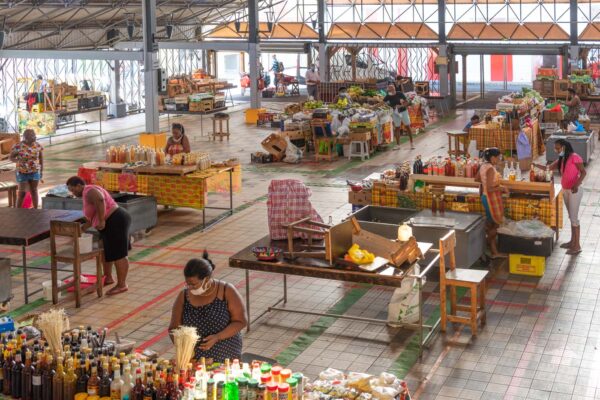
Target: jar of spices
[283,390]
[293,393]
[252,389]
[243,387]
[272,391]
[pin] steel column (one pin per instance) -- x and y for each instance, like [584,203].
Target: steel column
[442,21]
[115,84]
[481,76]
[151,65]
[464,77]
[443,71]
[452,73]
[573,10]
[253,52]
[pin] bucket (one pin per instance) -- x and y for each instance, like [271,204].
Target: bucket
[47,290]
[86,243]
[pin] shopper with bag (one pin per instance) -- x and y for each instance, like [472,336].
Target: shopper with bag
[397,100]
[570,167]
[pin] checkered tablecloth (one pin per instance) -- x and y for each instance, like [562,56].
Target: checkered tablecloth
[505,139]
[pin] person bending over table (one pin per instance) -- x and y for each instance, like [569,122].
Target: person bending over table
[490,192]
[178,142]
[214,307]
[474,121]
[570,167]
[112,222]
[28,156]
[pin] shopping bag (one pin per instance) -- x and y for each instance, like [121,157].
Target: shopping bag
[472,149]
[404,304]
[293,154]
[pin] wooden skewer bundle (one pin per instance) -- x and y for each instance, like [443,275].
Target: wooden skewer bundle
[185,339]
[53,323]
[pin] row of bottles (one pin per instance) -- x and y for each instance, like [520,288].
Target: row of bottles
[130,154]
[511,173]
[449,166]
[85,368]
[540,175]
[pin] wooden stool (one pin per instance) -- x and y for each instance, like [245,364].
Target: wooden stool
[72,256]
[359,149]
[472,279]
[295,91]
[11,188]
[220,132]
[319,134]
[458,136]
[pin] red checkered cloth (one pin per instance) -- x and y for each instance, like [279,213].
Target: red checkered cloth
[288,201]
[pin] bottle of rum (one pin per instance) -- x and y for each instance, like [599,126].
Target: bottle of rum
[137,393]
[47,377]
[127,384]
[105,381]
[82,379]
[116,385]
[149,391]
[93,384]
[69,382]
[58,381]
[17,371]
[36,379]
[7,371]
[26,390]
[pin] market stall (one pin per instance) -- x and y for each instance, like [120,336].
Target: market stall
[174,185]
[105,368]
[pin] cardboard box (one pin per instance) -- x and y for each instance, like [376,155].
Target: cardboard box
[553,116]
[362,198]
[293,135]
[360,136]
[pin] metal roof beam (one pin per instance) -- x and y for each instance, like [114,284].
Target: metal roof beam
[204,45]
[73,54]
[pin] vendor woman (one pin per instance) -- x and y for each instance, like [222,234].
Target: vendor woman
[112,222]
[572,173]
[214,307]
[491,197]
[178,142]
[574,103]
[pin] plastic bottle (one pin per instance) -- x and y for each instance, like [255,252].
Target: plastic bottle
[242,383]
[532,173]
[210,389]
[283,391]
[272,391]
[219,391]
[506,171]
[252,389]
[300,379]
[548,174]
[293,393]
[276,374]
[116,386]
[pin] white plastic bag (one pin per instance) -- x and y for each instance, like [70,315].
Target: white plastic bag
[292,153]
[404,305]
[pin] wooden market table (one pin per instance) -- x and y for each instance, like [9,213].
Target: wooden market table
[24,227]
[490,135]
[173,186]
[168,113]
[321,269]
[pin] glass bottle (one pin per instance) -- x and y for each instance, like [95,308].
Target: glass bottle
[82,379]
[59,380]
[17,371]
[69,382]
[7,372]
[2,362]
[105,381]
[127,384]
[26,377]
[36,379]
[116,385]
[149,391]
[137,393]
[47,377]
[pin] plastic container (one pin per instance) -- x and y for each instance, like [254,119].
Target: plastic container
[521,264]
[252,114]
[47,290]
[86,243]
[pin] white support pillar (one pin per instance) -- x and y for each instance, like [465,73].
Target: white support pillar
[115,83]
[150,65]
[253,56]
[323,63]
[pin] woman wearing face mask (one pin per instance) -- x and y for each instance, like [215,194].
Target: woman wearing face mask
[491,197]
[179,142]
[214,308]
[570,167]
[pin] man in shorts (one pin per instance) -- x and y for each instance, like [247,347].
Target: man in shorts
[397,100]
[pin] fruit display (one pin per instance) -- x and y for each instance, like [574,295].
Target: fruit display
[313,104]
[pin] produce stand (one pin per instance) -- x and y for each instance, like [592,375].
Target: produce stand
[25,226]
[321,269]
[527,200]
[492,135]
[174,186]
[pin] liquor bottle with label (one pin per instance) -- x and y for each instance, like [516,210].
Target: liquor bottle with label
[36,379]
[93,384]
[116,385]
[2,363]
[27,373]
[6,369]
[137,393]
[58,381]
[17,371]
[69,382]
[105,381]
[47,377]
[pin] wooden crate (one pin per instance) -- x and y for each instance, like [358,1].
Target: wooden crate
[560,87]
[294,135]
[360,136]
[7,141]
[275,145]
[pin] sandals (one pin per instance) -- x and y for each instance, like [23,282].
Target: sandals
[566,245]
[574,252]
[117,290]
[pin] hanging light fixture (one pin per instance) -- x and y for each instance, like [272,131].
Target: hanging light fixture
[270,14]
[130,25]
[238,23]
[270,17]
[169,27]
[313,19]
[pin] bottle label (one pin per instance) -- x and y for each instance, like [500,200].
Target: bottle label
[36,381]
[115,394]
[148,397]
[92,391]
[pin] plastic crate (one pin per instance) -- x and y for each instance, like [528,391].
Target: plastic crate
[521,264]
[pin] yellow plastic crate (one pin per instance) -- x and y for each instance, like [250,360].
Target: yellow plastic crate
[153,140]
[521,264]
[252,114]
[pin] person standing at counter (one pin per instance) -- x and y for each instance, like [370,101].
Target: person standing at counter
[214,307]
[491,197]
[572,172]
[28,155]
[178,142]
[112,222]
[574,103]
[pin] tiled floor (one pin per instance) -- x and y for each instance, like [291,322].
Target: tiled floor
[542,336]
